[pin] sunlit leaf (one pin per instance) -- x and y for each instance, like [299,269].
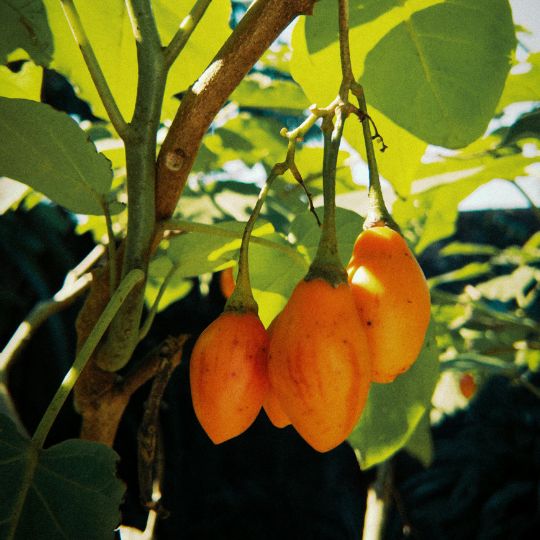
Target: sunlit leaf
[466,273]
[523,86]
[436,68]
[259,91]
[69,490]
[508,287]
[26,83]
[202,46]
[46,150]
[440,72]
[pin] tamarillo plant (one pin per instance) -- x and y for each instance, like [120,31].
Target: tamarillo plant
[185,96]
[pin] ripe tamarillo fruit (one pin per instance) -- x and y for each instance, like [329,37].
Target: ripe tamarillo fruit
[228,374]
[392,298]
[318,362]
[272,407]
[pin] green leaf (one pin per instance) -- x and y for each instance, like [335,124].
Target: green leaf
[202,46]
[23,24]
[436,68]
[48,151]
[274,274]
[69,490]
[433,210]
[399,163]
[176,289]
[259,91]
[24,84]
[322,27]
[522,86]
[509,287]
[465,273]
[394,411]
[462,248]
[420,445]
[109,31]
[306,233]
[527,126]
[440,72]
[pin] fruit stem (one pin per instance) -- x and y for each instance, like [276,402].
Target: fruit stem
[327,264]
[242,300]
[378,214]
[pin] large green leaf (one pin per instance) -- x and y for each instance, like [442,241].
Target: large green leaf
[440,72]
[23,25]
[48,151]
[434,67]
[394,411]
[69,490]
[110,33]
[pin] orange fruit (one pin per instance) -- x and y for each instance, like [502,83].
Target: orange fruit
[228,374]
[392,298]
[318,363]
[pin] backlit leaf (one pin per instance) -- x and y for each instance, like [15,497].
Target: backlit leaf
[69,490]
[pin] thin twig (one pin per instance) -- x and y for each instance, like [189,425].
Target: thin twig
[77,29]
[186,28]
[111,248]
[155,306]
[169,356]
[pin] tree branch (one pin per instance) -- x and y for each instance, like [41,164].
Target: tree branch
[261,25]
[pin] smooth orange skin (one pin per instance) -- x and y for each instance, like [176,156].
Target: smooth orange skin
[226,282]
[272,407]
[392,298]
[228,374]
[318,363]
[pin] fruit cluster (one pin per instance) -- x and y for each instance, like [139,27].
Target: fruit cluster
[313,367]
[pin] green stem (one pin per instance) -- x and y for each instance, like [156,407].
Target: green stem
[241,300]
[378,214]
[123,335]
[116,301]
[214,230]
[77,29]
[327,264]
[111,248]
[153,310]
[344,50]
[186,28]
